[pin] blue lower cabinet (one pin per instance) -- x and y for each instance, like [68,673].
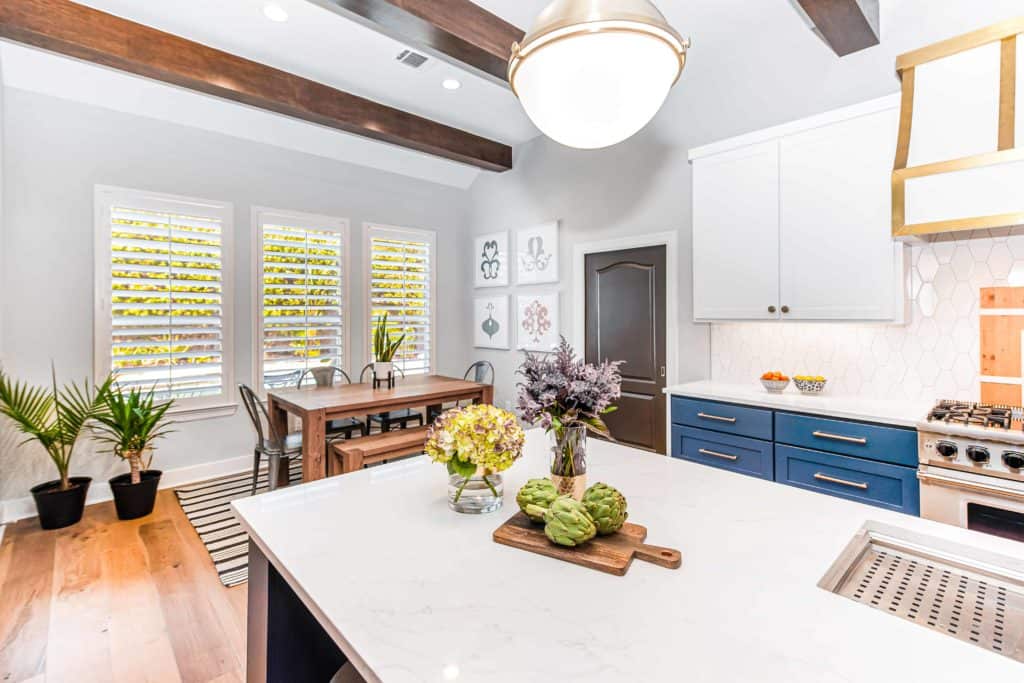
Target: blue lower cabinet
[892,487]
[725,451]
[895,445]
[755,423]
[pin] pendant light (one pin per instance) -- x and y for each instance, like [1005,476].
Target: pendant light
[592,73]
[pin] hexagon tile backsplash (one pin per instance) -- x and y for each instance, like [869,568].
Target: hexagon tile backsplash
[936,355]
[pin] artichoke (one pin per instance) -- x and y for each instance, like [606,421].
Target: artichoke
[607,507]
[537,494]
[567,522]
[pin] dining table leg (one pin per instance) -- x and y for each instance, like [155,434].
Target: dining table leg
[487,396]
[278,417]
[314,434]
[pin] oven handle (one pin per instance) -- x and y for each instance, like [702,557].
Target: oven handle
[953,483]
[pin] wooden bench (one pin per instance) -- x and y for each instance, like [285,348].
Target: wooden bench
[351,456]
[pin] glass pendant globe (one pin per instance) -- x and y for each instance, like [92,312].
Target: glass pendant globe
[592,74]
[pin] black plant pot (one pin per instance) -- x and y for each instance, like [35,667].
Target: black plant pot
[135,500]
[58,509]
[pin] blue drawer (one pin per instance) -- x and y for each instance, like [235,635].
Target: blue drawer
[886,486]
[875,442]
[722,417]
[735,453]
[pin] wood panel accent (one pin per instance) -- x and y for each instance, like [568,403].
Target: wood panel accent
[1004,394]
[1000,343]
[78,31]
[1002,297]
[610,554]
[843,24]
[352,455]
[457,29]
[1007,92]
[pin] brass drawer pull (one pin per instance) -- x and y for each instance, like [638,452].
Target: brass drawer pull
[853,484]
[705,416]
[839,437]
[725,456]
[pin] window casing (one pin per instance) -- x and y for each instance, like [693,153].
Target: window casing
[301,272]
[163,296]
[401,273]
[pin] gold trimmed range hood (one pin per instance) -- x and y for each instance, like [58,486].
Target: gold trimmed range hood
[960,157]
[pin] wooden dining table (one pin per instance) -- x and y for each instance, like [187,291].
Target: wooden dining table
[316,406]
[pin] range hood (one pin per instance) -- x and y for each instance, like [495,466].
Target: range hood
[960,157]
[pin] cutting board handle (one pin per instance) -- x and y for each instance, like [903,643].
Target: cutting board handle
[660,555]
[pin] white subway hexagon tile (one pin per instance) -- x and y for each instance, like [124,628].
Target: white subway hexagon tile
[981,277]
[927,299]
[963,371]
[944,282]
[944,248]
[1000,261]
[928,334]
[911,351]
[945,352]
[928,369]
[945,385]
[927,264]
[852,379]
[964,298]
[1015,278]
[945,314]
[962,263]
[980,247]
[880,348]
[1016,244]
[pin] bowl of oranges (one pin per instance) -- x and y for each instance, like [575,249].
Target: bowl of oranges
[810,384]
[774,382]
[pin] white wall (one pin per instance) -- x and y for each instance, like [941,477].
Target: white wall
[60,150]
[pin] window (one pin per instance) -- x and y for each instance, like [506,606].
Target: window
[401,283]
[301,294]
[162,295]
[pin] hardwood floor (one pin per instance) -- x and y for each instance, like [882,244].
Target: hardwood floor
[106,600]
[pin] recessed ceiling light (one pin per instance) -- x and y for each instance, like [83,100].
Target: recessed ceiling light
[274,12]
[451,84]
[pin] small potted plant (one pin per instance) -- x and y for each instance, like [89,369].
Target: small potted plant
[129,423]
[384,350]
[54,418]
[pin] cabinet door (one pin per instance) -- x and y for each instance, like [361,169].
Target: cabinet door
[735,234]
[837,256]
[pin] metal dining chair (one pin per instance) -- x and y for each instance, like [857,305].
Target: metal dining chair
[481,372]
[268,441]
[328,376]
[402,417]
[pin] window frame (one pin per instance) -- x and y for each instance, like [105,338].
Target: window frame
[371,230]
[105,198]
[314,221]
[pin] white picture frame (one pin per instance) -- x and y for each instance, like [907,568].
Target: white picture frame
[491,329]
[537,254]
[537,323]
[491,260]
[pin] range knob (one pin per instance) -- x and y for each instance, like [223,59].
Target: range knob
[978,454]
[947,449]
[1013,459]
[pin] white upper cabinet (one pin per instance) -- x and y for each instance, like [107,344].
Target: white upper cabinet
[736,204]
[794,222]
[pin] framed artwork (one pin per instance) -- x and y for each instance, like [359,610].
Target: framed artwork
[490,322]
[490,254]
[537,254]
[537,322]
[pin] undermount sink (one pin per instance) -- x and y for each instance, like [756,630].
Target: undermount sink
[969,594]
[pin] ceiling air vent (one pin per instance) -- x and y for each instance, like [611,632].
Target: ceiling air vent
[410,58]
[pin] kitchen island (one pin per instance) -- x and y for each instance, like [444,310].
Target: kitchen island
[416,592]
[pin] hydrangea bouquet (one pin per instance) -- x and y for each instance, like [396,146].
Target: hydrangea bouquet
[475,443]
[567,397]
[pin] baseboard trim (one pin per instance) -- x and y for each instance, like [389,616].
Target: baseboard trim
[22,508]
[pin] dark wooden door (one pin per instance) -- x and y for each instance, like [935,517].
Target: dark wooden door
[625,320]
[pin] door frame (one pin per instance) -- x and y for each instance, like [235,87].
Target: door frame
[669,240]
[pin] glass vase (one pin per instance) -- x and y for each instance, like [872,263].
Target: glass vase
[569,460]
[477,494]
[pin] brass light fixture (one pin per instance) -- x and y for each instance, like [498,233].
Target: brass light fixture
[592,73]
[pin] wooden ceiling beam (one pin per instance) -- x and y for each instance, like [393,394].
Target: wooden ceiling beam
[455,30]
[845,25]
[78,31]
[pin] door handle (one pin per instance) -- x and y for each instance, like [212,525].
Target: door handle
[839,437]
[719,418]
[662,370]
[832,480]
[724,456]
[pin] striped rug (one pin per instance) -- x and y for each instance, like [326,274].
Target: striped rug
[207,507]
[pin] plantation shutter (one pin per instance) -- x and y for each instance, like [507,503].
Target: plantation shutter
[166,300]
[303,308]
[401,285]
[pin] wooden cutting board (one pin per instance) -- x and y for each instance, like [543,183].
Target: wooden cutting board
[612,554]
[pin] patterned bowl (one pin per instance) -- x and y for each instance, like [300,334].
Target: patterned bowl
[774,386]
[810,386]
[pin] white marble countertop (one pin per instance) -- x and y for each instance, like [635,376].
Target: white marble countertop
[416,592]
[906,413]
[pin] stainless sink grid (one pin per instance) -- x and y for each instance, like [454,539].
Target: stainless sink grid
[972,604]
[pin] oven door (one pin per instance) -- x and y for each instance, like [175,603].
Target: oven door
[987,504]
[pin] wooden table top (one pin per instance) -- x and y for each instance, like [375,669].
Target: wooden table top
[428,388]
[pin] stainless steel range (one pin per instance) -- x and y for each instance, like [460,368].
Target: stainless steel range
[971,467]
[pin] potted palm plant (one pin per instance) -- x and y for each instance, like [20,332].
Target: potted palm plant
[384,350]
[54,418]
[129,423]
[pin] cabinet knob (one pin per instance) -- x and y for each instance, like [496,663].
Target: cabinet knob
[785,309]
[771,309]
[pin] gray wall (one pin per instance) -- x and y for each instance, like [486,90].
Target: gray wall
[61,150]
